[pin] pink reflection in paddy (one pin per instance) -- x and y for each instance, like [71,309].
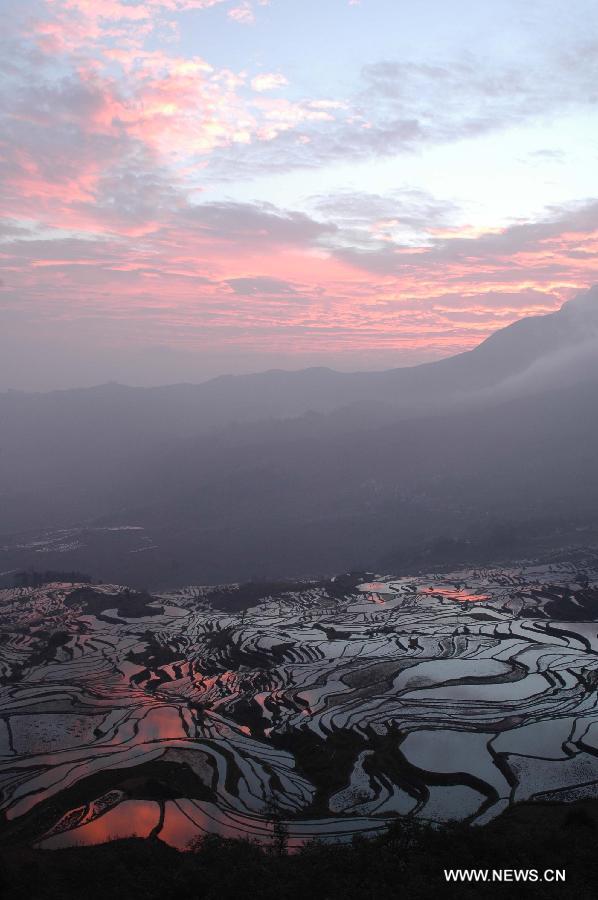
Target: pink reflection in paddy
[162,723]
[186,819]
[179,829]
[453,594]
[377,591]
[131,818]
[376,587]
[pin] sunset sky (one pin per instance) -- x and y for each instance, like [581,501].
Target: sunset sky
[194,187]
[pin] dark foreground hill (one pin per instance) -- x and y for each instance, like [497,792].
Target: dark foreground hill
[406,862]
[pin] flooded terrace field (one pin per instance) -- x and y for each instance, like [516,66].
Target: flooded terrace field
[335,706]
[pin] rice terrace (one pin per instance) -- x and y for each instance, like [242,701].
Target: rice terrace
[333,706]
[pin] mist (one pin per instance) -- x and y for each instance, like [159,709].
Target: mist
[315,471]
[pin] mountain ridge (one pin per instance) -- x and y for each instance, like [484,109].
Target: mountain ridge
[570,323]
[252,480]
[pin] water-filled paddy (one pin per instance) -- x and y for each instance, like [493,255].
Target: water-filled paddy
[442,698]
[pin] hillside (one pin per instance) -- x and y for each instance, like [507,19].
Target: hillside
[310,472]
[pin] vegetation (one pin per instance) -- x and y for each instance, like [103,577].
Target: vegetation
[408,861]
[35,579]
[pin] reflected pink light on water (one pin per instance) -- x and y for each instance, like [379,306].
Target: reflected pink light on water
[178,829]
[376,591]
[132,818]
[163,723]
[459,596]
[376,587]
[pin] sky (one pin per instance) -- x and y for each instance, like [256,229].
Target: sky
[196,187]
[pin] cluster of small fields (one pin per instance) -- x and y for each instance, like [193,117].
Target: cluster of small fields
[333,707]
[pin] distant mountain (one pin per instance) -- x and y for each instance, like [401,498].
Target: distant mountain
[187,408]
[313,471]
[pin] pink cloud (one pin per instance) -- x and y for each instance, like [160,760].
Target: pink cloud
[268,81]
[243,13]
[70,25]
[229,275]
[107,142]
[180,107]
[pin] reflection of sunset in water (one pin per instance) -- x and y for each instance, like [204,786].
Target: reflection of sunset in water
[132,818]
[186,819]
[170,750]
[375,587]
[377,590]
[179,828]
[454,594]
[163,723]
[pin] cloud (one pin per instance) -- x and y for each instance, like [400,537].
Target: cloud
[188,110]
[243,13]
[71,123]
[399,107]
[255,224]
[408,214]
[187,281]
[110,134]
[268,81]
[73,25]
[261,284]
[565,239]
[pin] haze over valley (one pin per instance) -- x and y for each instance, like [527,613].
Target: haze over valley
[287,474]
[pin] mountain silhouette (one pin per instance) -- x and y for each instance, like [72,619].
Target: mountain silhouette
[310,471]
